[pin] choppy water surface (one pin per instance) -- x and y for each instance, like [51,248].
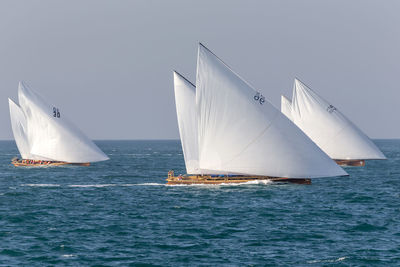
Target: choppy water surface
[120,213]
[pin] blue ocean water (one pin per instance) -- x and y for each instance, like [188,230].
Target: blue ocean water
[121,213]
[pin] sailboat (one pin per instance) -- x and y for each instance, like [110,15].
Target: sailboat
[230,133]
[45,137]
[335,134]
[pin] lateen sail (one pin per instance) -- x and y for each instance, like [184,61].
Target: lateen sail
[328,127]
[286,107]
[241,133]
[185,99]
[50,135]
[18,125]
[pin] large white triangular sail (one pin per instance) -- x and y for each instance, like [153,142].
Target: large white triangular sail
[50,135]
[328,127]
[241,133]
[185,100]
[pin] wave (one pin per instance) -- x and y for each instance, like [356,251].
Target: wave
[257,182]
[328,261]
[68,255]
[111,185]
[41,185]
[91,185]
[150,184]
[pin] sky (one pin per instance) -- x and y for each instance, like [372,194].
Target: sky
[108,65]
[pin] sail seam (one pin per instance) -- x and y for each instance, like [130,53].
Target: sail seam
[254,140]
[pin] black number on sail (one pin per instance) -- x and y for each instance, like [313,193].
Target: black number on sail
[330,109]
[56,113]
[259,97]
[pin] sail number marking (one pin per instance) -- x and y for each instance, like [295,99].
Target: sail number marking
[56,113]
[260,98]
[330,109]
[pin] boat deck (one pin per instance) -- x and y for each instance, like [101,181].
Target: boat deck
[353,163]
[43,163]
[226,179]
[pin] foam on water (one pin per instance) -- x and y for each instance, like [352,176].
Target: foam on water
[41,185]
[146,184]
[258,182]
[91,185]
[112,185]
[68,256]
[328,260]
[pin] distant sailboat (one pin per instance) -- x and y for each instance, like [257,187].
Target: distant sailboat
[240,135]
[328,127]
[45,137]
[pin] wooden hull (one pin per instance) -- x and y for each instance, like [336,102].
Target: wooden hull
[42,163]
[353,163]
[215,180]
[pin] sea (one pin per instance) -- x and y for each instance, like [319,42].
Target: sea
[121,213]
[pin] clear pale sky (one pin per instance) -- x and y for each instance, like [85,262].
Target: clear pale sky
[108,64]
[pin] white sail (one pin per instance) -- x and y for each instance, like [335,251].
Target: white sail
[185,100]
[241,133]
[329,128]
[18,125]
[51,135]
[286,107]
